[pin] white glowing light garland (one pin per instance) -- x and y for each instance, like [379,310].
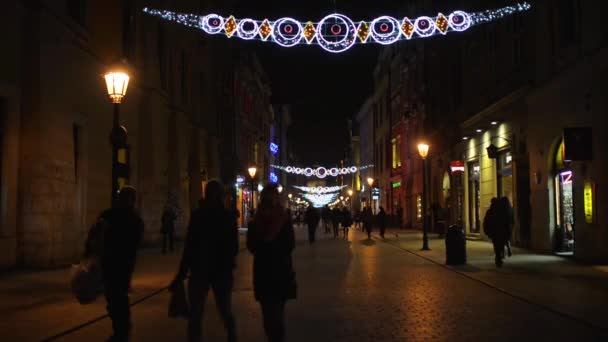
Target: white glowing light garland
[320,189]
[320,200]
[321,172]
[337,32]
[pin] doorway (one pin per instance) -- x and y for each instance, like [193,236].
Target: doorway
[564,205]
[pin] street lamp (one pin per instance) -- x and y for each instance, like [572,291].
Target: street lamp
[252,170]
[350,193]
[423,150]
[370,182]
[280,188]
[117,83]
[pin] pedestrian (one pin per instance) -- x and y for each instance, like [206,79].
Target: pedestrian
[167,228]
[357,219]
[347,221]
[270,238]
[312,218]
[208,260]
[335,220]
[381,218]
[400,216]
[493,228]
[507,211]
[123,230]
[326,216]
[367,216]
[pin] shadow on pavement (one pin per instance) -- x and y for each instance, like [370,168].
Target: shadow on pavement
[367,242]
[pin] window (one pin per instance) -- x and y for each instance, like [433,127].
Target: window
[77,10]
[396,152]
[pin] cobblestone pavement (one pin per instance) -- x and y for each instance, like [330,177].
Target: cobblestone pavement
[369,290]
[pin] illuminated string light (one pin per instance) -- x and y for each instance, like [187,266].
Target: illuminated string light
[320,189]
[321,172]
[336,32]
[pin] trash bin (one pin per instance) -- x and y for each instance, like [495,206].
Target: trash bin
[455,246]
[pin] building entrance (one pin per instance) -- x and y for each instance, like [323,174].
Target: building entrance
[474,198]
[564,205]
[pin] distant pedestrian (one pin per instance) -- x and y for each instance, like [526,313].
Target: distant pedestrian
[367,217]
[336,217]
[357,219]
[208,260]
[400,216]
[123,230]
[382,221]
[312,218]
[167,228]
[270,239]
[326,217]
[347,221]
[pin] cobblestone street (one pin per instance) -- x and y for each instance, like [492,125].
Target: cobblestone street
[372,290]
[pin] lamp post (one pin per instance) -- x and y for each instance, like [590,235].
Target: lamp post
[116,84]
[370,182]
[423,150]
[252,170]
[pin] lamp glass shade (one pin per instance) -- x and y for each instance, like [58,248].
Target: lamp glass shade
[370,181]
[280,188]
[116,84]
[423,150]
[350,192]
[252,170]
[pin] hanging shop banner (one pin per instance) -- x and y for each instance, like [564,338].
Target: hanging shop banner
[589,197]
[457,166]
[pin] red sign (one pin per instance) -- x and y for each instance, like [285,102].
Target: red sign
[457,166]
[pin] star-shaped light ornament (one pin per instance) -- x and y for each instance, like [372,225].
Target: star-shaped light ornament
[363,31]
[265,30]
[309,32]
[230,26]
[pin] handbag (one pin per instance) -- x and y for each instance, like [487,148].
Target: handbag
[86,282]
[178,303]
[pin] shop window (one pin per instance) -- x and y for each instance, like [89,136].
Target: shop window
[504,175]
[564,205]
[474,198]
[396,152]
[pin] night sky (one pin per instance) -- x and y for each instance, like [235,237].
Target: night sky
[324,89]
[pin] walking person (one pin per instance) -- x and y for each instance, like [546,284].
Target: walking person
[312,220]
[509,221]
[167,228]
[122,233]
[347,221]
[367,217]
[400,216]
[326,217]
[381,217]
[271,240]
[335,220]
[208,260]
[493,227]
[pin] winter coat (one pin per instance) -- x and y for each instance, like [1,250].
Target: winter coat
[382,218]
[312,217]
[273,274]
[212,243]
[122,233]
[168,222]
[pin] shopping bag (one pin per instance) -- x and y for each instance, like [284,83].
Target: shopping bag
[86,282]
[178,304]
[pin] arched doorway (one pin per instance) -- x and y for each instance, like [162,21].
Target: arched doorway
[563,204]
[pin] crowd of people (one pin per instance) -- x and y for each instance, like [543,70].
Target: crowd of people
[209,255]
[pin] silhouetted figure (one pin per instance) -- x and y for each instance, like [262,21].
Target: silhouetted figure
[209,260]
[367,217]
[312,220]
[167,228]
[400,216]
[270,239]
[495,228]
[123,230]
[509,221]
[326,216]
[357,219]
[347,221]
[382,221]
[336,217]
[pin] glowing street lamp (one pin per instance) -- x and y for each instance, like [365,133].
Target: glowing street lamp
[350,193]
[423,150]
[252,171]
[117,82]
[370,182]
[280,188]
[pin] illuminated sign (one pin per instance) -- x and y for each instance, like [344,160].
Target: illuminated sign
[396,185]
[566,177]
[457,166]
[274,149]
[240,179]
[589,192]
[273,178]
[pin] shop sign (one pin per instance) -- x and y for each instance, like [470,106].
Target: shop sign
[457,166]
[396,185]
[589,194]
[240,179]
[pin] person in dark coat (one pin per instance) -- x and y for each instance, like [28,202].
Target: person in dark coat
[326,216]
[400,217]
[347,221]
[382,221]
[270,238]
[312,218]
[493,228]
[335,221]
[167,228]
[122,233]
[509,221]
[208,260]
[367,217]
